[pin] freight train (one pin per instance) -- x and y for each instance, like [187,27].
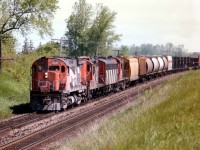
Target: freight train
[60,82]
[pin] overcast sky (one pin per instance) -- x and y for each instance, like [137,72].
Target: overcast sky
[143,21]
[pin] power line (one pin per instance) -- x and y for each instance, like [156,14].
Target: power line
[118,51]
[61,40]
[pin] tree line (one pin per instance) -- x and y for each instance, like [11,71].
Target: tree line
[160,49]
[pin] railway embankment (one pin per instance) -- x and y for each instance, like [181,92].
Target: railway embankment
[167,117]
[15,84]
[13,95]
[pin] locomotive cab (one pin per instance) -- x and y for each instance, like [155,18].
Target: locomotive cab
[49,75]
[56,83]
[88,74]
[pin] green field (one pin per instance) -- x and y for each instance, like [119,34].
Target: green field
[167,117]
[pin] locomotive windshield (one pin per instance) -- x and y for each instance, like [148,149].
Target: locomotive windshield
[54,68]
[42,68]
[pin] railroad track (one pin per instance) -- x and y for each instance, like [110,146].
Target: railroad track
[69,121]
[21,121]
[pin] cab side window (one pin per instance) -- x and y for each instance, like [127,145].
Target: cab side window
[67,70]
[93,69]
[88,68]
[62,68]
[34,69]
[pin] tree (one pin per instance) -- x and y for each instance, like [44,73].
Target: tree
[124,50]
[135,50]
[27,47]
[49,49]
[101,31]
[169,48]
[147,49]
[88,31]
[8,45]
[78,26]
[25,15]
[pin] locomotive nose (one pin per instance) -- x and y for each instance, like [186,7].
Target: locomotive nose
[50,82]
[54,80]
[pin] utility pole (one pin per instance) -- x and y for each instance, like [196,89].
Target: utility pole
[62,40]
[97,50]
[1,59]
[31,46]
[0,53]
[117,51]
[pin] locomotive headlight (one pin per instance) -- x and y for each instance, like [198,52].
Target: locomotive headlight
[46,74]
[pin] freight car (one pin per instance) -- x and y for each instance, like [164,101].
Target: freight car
[58,82]
[195,61]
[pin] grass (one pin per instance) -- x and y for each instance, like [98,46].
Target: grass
[12,93]
[167,117]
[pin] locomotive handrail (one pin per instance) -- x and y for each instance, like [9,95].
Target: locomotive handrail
[84,78]
[101,78]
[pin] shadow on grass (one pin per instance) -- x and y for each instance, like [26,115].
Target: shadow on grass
[21,109]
